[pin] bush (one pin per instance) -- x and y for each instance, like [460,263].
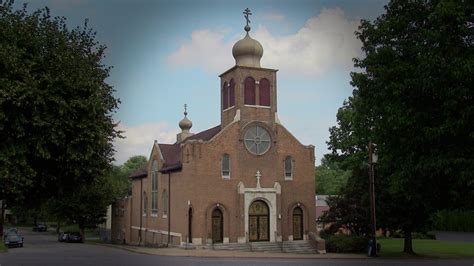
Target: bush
[325,234]
[420,235]
[453,220]
[347,243]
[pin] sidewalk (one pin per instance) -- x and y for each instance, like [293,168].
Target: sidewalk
[179,252]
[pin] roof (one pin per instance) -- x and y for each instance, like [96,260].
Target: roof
[139,173]
[206,134]
[172,152]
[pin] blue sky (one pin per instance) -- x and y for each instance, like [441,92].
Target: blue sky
[168,53]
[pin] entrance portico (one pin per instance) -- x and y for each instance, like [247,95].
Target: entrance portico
[269,197]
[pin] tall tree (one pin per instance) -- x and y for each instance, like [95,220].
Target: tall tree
[56,108]
[330,178]
[414,99]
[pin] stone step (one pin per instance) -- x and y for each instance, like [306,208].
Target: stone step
[266,246]
[232,246]
[299,246]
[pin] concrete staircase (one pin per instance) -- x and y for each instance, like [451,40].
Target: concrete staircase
[232,247]
[266,246]
[298,246]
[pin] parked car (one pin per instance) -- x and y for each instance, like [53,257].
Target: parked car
[13,239]
[40,228]
[8,231]
[70,237]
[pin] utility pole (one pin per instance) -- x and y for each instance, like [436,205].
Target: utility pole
[372,161]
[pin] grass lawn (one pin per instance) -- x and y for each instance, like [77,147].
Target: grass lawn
[393,247]
[3,248]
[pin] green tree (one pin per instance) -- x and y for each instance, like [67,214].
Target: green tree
[133,164]
[330,178]
[56,109]
[414,99]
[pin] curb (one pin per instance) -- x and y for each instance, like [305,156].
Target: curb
[261,255]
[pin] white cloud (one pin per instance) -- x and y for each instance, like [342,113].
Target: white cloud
[207,49]
[325,42]
[139,139]
[273,16]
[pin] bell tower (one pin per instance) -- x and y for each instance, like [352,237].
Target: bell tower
[248,91]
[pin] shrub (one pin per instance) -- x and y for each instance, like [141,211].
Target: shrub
[421,235]
[325,234]
[347,243]
[453,220]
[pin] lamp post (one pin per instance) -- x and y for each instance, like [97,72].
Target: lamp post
[372,161]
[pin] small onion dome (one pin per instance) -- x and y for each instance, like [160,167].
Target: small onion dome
[185,124]
[247,52]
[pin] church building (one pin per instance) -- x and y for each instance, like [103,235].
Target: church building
[247,179]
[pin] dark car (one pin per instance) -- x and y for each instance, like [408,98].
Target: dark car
[13,239]
[70,237]
[40,228]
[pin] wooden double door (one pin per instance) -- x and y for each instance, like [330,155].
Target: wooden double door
[259,222]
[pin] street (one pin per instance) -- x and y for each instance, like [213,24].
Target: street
[44,249]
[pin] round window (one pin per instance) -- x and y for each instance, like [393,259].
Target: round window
[257,140]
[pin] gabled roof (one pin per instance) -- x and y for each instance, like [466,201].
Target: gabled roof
[172,152]
[206,134]
[141,172]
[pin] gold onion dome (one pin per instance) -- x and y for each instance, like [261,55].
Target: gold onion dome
[185,124]
[247,51]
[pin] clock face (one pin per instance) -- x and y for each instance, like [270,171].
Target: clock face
[257,140]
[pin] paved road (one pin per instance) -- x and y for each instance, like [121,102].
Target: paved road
[43,249]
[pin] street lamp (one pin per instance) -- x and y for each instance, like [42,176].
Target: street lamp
[372,161]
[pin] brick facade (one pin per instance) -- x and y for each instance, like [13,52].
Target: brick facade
[191,181]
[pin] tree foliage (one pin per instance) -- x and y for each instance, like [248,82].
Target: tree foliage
[330,178]
[56,108]
[413,97]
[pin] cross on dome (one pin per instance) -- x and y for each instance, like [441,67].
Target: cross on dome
[247,13]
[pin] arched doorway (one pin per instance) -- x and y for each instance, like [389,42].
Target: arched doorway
[190,225]
[297,224]
[217,226]
[259,228]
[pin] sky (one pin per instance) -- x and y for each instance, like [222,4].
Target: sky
[168,53]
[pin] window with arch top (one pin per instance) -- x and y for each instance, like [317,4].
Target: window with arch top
[225,166]
[225,96]
[249,91]
[264,92]
[154,187]
[288,167]
[228,94]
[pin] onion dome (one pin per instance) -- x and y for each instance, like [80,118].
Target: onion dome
[185,124]
[248,51]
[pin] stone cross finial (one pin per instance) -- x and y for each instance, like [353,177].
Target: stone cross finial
[258,176]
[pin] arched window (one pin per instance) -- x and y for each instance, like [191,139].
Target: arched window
[232,93]
[249,91]
[165,202]
[288,167]
[154,187]
[225,96]
[225,166]
[264,92]
[145,203]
